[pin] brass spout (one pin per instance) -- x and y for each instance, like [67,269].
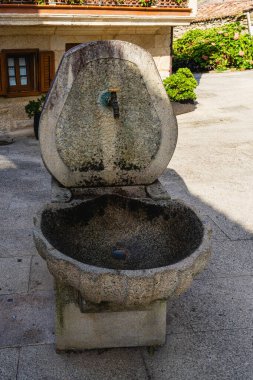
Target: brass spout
[113,102]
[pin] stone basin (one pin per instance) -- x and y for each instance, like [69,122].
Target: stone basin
[165,243]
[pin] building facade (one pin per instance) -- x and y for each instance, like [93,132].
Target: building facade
[34,37]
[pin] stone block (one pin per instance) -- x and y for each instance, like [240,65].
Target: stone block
[23,40]
[58,42]
[145,41]
[163,41]
[163,63]
[79,328]
[13,115]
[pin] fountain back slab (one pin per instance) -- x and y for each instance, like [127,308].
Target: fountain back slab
[82,143]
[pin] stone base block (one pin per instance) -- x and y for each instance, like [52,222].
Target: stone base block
[77,330]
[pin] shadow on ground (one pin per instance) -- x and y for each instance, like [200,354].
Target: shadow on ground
[209,329]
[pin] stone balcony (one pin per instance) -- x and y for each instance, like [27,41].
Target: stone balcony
[141,13]
[124,3]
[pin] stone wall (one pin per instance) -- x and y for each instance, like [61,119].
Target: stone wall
[13,115]
[154,39]
[180,30]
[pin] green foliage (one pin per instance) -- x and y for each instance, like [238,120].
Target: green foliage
[35,106]
[147,3]
[180,86]
[75,2]
[70,2]
[226,47]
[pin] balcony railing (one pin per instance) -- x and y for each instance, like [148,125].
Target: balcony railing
[118,3]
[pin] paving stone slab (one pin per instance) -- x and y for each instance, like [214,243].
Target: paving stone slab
[232,258]
[229,353]
[222,227]
[40,278]
[35,194]
[177,316]
[6,164]
[23,186]
[214,355]
[20,204]
[117,364]
[177,189]
[18,218]
[17,243]
[26,319]
[20,175]
[217,233]
[184,357]
[223,303]
[8,363]
[232,229]
[14,275]
[4,149]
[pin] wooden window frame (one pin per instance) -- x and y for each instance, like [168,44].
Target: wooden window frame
[33,73]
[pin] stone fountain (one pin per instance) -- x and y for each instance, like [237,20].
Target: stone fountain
[117,245]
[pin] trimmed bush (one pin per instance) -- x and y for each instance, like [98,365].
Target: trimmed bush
[226,47]
[35,106]
[180,86]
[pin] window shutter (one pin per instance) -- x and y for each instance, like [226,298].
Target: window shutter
[46,69]
[3,78]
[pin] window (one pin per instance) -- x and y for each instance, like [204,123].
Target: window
[21,72]
[71,45]
[25,72]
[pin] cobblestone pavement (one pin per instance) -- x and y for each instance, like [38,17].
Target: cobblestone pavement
[210,328]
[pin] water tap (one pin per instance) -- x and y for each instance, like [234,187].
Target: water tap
[113,102]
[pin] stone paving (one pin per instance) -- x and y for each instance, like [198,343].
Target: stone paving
[210,328]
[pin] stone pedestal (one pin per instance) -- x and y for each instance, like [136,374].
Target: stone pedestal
[81,326]
[113,239]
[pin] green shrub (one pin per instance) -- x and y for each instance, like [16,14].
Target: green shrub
[180,86]
[226,47]
[35,106]
[147,3]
